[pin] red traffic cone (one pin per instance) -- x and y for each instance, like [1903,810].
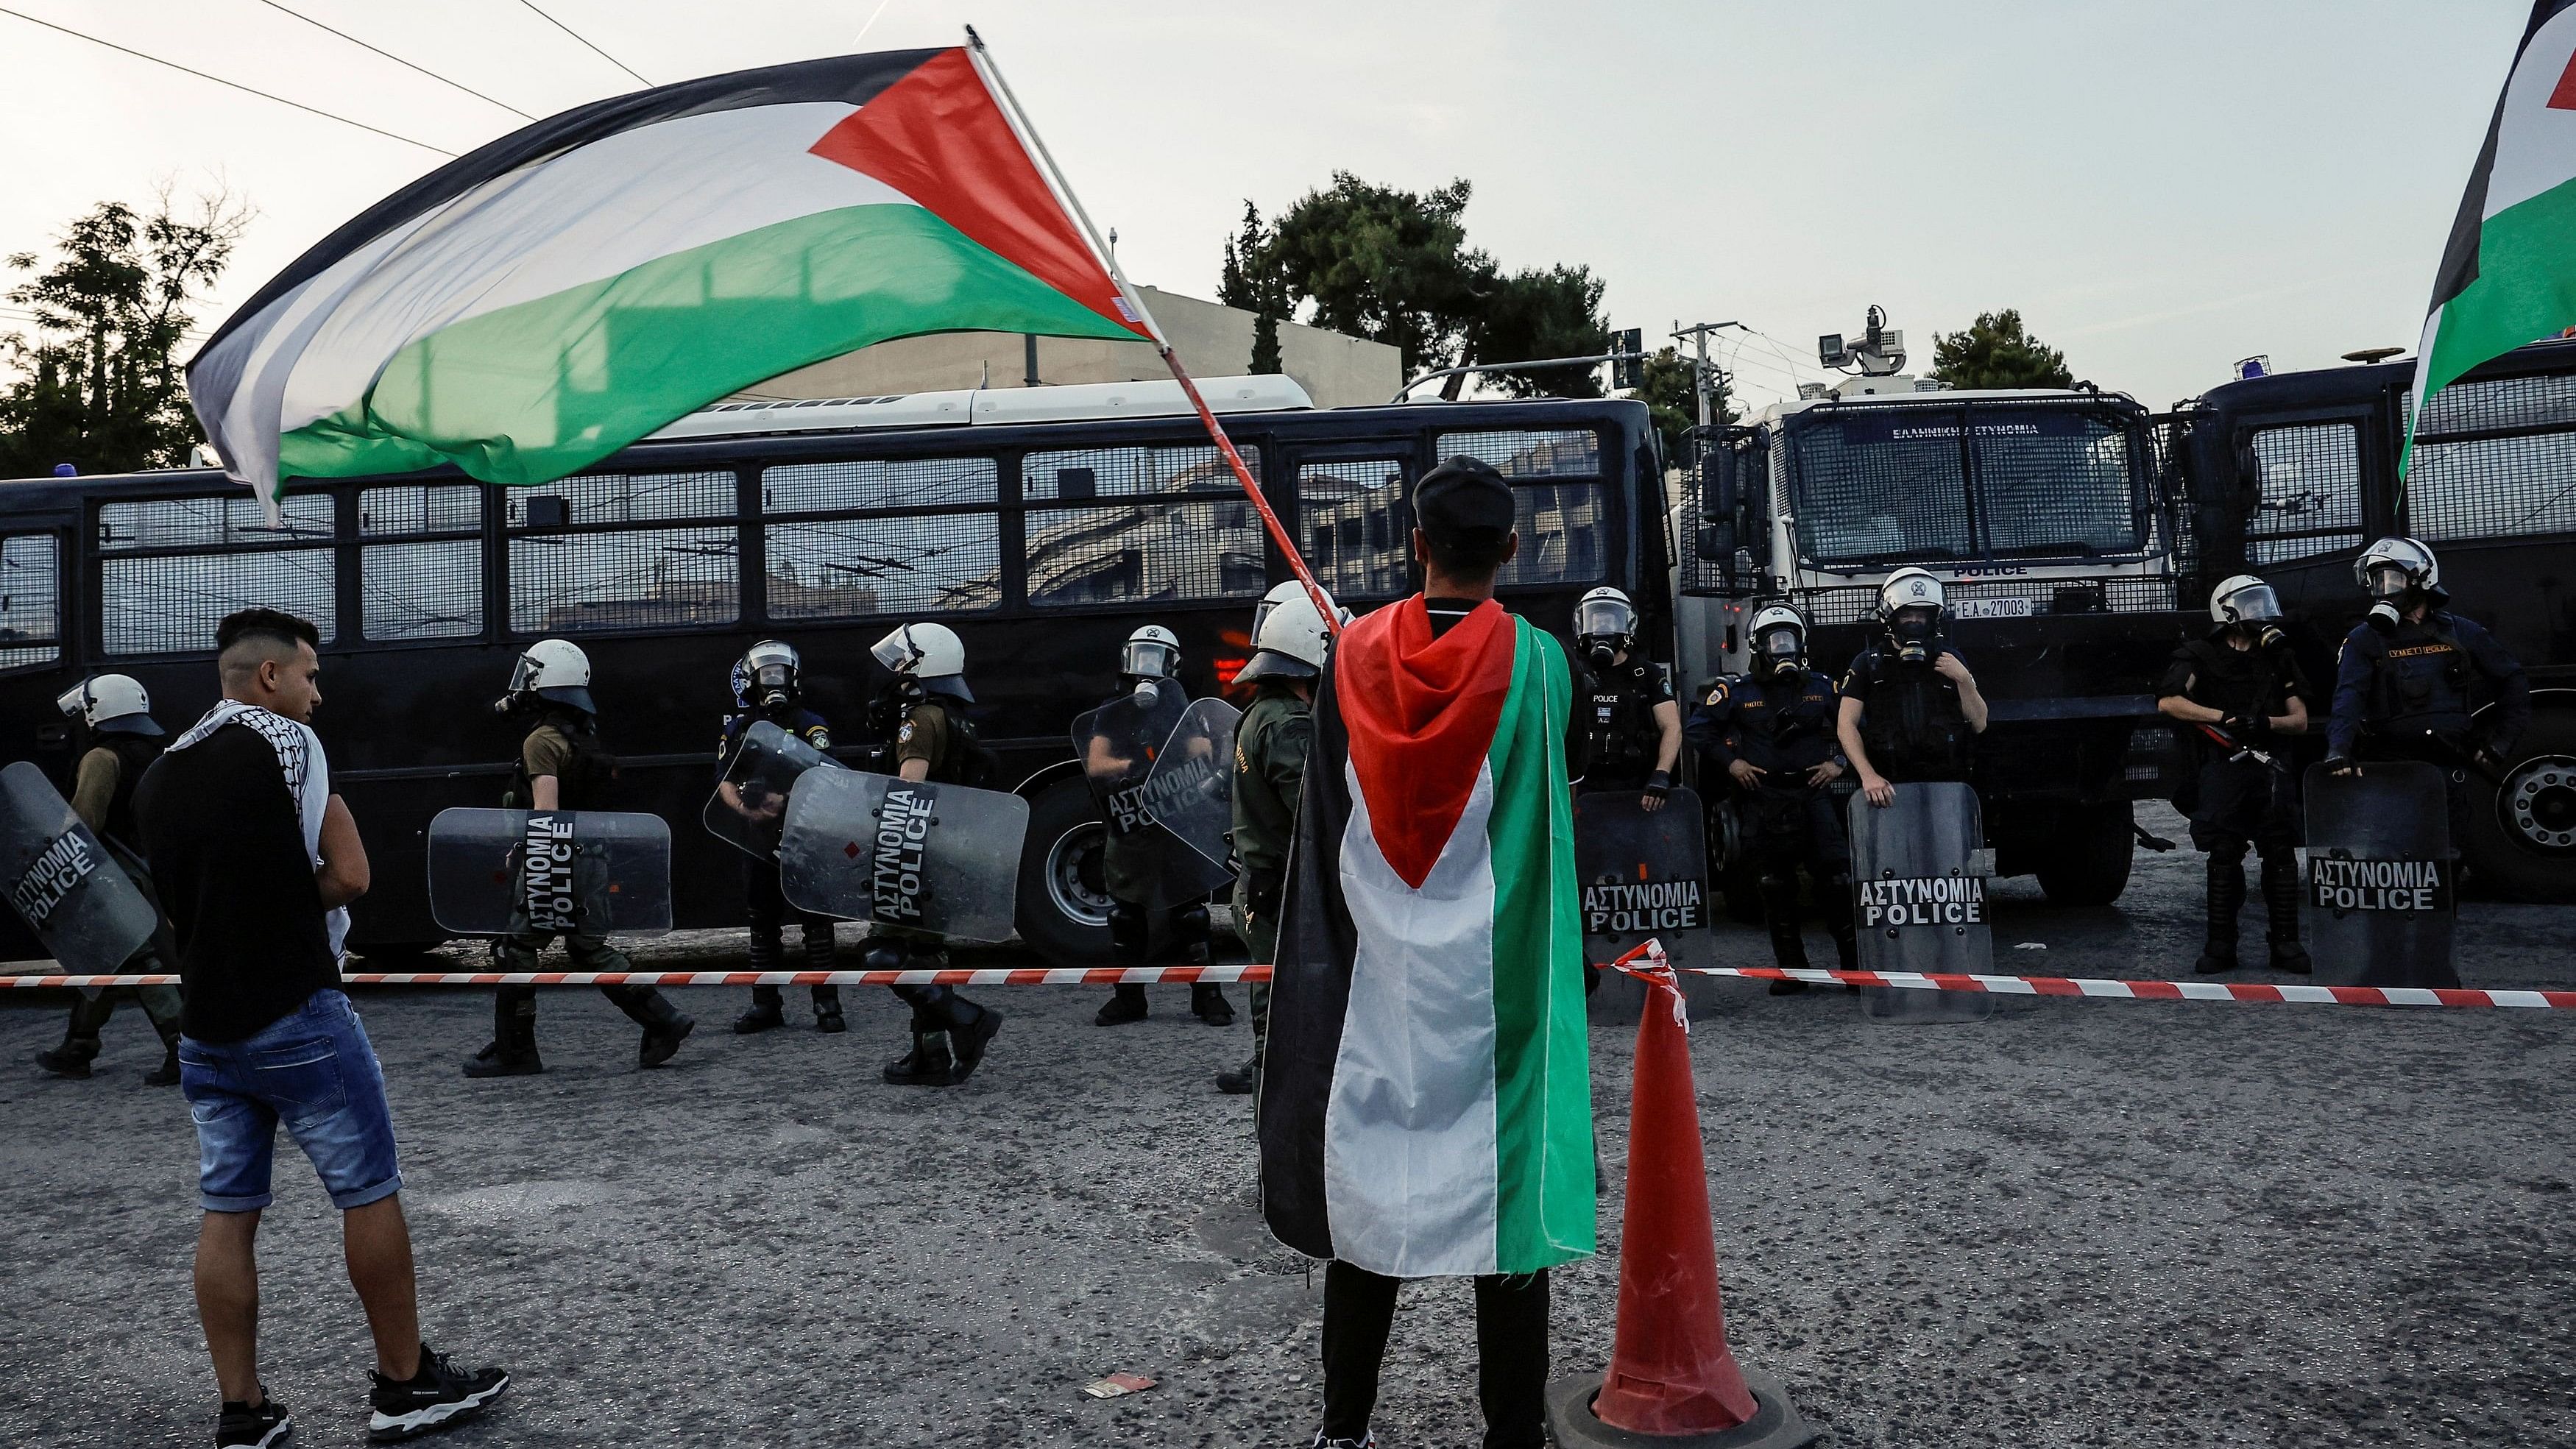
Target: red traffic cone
[1671,1373]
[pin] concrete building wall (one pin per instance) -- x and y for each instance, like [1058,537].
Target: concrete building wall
[1213,341]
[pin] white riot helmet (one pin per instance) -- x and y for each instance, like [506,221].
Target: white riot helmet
[1152,652]
[1911,604]
[2391,566]
[553,670]
[2244,599]
[1289,640]
[1604,624]
[110,704]
[1777,639]
[929,653]
[770,671]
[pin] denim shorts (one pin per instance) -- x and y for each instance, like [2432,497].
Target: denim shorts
[312,1069]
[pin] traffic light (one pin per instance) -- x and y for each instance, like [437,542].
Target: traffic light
[1628,368]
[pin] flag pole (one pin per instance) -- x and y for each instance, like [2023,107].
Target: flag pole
[1010,104]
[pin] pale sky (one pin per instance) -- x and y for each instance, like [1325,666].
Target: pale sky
[2160,188]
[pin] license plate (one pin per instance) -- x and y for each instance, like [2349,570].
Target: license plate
[2015,608]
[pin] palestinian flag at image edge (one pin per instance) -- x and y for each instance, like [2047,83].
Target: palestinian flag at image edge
[542,302]
[1425,1104]
[2508,273]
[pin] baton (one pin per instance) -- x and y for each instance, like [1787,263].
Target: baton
[2242,750]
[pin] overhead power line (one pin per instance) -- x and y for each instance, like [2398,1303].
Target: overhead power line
[577,35]
[398,60]
[219,80]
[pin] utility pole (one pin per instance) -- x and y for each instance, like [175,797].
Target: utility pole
[1701,371]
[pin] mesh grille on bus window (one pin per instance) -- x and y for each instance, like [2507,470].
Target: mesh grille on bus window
[419,508]
[878,483]
[1563,538]
[1883,493]
[2007,598]
[171,604]
[630,497]
[1529,453]
[852,568]
[421,590]
[30,600]
[1358,526]
[2311,491]
[230,521]
[1079,475]
[1179,551]
[2495,487]
[2060,492]
[636,579]
[2539,401]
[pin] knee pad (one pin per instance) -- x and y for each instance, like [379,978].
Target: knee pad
[1190,924]
[879,954]
[1129,930]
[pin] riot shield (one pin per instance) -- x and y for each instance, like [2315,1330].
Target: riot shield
[1189,789]
[1118,744]
[1644,872]
[1919,899]
[63,881]
[943,859]
[749,807]
[549,872]
[2379,877]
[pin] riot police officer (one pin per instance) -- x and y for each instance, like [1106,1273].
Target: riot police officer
[1910,710]
[1627,729]
[1271,741]
[562,766]
[123,740]
[1131,862]
[768,685]
[2403,686]
[2237,691]
[922,712]
[1772,733]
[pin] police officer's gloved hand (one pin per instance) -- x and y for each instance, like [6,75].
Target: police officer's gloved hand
[1659,784]
[2244,726]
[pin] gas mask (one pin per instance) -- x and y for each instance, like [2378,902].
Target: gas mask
[773,685]
[1915,631]
[1778,651]
[2390,585]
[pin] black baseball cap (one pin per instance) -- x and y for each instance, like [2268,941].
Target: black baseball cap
[1463,503]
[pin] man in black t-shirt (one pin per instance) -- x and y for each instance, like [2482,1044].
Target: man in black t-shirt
[256,861]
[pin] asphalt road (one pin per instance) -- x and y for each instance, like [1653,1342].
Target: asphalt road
[2081,1223]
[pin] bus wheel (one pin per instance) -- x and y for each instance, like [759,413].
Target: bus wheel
[1063,905]
[2087,859]
[2524,848]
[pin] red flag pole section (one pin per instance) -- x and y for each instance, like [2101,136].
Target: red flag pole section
[1010,107]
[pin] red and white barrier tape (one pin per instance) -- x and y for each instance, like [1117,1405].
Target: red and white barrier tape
[2061,986]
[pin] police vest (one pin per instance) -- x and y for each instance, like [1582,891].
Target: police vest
[1620,737]
[1784,724]
[2419,679]
[586,776]
[134,754]
[1912,723]
[963,758]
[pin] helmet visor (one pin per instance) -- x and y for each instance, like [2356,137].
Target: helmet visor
[1261,615]
[75,700]
[1604,619]
[896,651]
[2255,605]
[1148,659]
[1916,621]
[774,676]
[523,675]
[1779,642]
[2387,579]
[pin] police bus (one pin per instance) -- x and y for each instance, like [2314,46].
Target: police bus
[2290,475]
[1043,524]
[2045,516]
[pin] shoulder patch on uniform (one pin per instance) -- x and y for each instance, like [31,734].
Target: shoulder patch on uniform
[904,736]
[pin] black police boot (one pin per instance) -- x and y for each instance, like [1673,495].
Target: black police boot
[71,1059]
[1240,1081]
[1780,913]
[827,1011]
[1208,1004]
[1125,1004]
[166,1074]
[2281,907]
[2226,899]
[513,1048]
[926,1065]
[821,954]
[969,1035]
[767,1012]
[665,1027]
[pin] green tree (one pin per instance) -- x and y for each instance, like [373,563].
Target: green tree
[1250,282]
[1671,393]
[98,383]
[1535,313]
[1996,352]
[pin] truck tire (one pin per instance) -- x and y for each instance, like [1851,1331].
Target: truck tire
[1062,908]
[2522,839]
[2087,860]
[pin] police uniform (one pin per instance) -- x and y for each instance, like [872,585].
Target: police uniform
[1271,743]
[762,901]
[1614,742]
[948,1031]
[1130,866]
[2241,802]
[1912,722]
[1784,726]
[2407,695]
[103,796]
[565,744]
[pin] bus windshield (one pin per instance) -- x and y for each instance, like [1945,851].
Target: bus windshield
[1967,481]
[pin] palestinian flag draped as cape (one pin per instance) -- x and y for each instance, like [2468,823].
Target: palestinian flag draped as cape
[542,302]
[1426,1101]
[2508,274]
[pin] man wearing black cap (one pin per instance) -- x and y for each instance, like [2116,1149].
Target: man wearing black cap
[1431,899]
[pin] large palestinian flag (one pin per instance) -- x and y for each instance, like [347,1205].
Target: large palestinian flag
[1426,1101]
[569,288]
[2509,272]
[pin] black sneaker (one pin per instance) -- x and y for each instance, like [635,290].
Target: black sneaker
[438,1396]
[242,1427]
